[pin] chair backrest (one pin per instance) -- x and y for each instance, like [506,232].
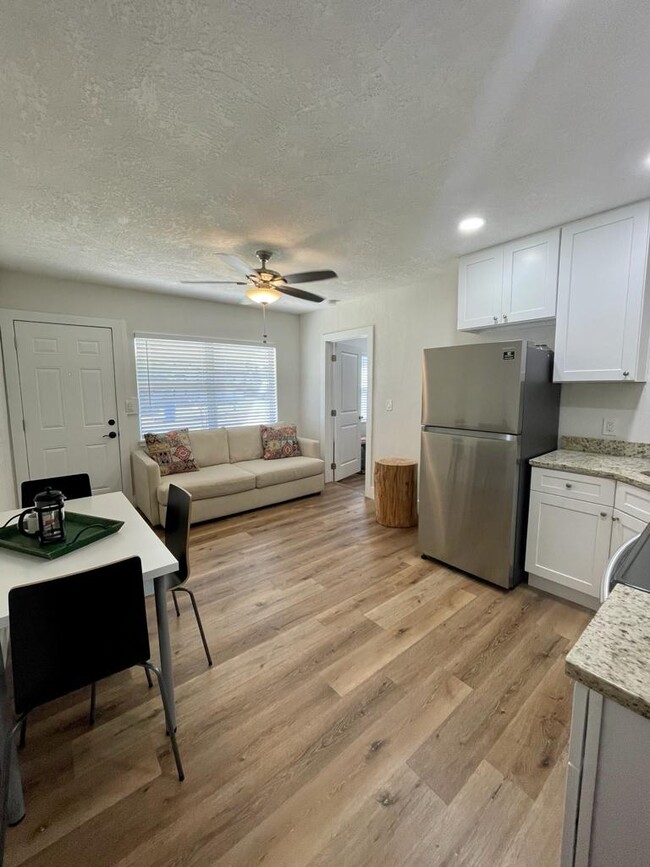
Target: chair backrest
[71,487]
[177,527]
[69,632]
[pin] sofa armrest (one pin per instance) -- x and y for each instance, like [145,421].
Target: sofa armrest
[309,448]
[146,478]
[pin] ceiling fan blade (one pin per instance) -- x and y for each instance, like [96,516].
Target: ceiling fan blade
[299,293]
[310,276]
[236,263]
[216,282]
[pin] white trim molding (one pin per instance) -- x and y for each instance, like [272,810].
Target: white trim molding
[12,377]
[332,337]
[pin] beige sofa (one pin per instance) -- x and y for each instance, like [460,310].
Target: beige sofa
[232,477]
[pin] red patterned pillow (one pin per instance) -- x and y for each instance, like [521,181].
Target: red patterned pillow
[280,442]
[171,451]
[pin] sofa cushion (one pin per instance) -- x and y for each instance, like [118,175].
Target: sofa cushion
[208,482]
[288,470]
[279,441]
[245,443]
[210,447]
[172,451]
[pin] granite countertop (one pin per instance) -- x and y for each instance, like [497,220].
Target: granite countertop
[612,656]
[618,467]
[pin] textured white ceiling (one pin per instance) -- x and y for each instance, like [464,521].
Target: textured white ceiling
[137,138]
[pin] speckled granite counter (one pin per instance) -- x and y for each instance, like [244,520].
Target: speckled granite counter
[620,468]
[612,656]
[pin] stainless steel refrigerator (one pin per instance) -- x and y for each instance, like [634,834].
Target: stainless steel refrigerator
[486,410]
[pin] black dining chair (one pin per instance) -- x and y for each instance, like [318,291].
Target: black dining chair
[68,633]
[72,487]
[177,538]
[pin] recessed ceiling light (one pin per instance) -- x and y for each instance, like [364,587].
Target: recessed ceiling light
[646,161]
[471,224]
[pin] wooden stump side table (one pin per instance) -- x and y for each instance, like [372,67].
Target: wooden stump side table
[396,492]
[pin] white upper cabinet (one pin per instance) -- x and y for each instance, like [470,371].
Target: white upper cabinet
[514,282]
[602,317]
[530,277]
[480,286]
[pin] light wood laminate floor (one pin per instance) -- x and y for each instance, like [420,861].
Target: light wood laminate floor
[366,707]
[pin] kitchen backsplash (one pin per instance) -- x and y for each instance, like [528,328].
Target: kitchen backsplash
[595,445]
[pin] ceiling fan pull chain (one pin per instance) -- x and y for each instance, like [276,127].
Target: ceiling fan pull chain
[264,335]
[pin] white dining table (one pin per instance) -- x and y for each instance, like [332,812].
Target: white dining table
[135,539]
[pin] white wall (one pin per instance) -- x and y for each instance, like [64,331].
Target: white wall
[144,311]
[406,320]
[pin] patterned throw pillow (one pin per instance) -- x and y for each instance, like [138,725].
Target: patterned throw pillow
[171,451]
[280,442]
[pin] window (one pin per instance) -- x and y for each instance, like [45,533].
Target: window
[363,385]
[203,384]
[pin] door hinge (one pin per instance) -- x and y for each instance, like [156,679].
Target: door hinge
[332,412]
[333,358]
[24,428]
[332,466]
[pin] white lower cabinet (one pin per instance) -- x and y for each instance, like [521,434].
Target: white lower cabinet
[608,785]
[575,524]
[568,541]
[624,527]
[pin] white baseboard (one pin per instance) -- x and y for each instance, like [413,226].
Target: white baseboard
[567,593]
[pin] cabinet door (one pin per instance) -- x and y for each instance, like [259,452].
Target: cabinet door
[600,305]
[530,277]
[624,527]
[480,278]
[568,541]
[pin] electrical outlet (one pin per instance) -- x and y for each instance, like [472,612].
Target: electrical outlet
[610,427]
[389,406]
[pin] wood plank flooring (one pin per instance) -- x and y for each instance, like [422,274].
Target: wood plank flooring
[365,708]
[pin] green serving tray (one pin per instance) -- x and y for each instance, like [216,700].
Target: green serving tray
[80,530]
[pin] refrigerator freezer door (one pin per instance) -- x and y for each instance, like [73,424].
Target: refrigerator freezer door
[468,499]
[474,387]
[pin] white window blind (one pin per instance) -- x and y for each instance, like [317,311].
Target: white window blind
[363,385]
[204,384]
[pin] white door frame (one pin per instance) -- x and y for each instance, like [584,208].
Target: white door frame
[368,332]
[12,376]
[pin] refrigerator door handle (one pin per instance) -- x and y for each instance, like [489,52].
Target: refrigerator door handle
[471,434]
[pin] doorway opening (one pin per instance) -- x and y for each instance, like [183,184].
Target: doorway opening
[347,424]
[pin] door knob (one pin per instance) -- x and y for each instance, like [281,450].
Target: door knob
[111,421]
[111,435]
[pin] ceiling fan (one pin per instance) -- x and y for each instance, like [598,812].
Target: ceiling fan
[266,286]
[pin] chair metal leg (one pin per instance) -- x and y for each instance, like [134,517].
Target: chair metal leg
[23,734]
[178,610]
[4,796]
[93,704]
[198,622]
[149,680]
[148,666]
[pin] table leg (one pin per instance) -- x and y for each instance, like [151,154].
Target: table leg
[16,802]
[160,590]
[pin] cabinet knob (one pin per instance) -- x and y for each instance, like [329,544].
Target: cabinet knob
[496,318]
[603,514]
[615,518]
[505,318]
[626,373]
[568,485]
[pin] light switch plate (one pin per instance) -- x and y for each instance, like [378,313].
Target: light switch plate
[389,406]
[131,406]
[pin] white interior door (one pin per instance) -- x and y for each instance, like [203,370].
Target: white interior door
[347,403]
[67,384]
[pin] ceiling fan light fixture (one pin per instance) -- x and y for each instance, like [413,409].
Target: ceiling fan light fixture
[263,294]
